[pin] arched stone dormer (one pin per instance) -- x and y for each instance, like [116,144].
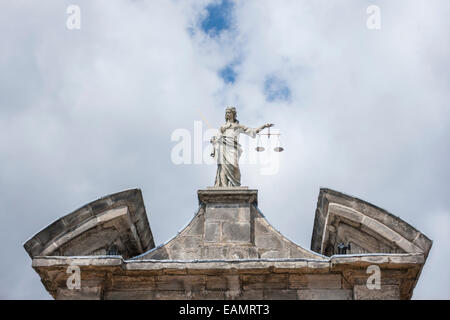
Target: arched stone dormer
[343,219]
[117,221]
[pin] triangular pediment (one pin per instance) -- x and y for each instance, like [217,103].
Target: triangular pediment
[229,226]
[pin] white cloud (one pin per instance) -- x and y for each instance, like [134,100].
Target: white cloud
[90,112]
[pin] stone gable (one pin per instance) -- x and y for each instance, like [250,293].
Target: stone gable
[228,251]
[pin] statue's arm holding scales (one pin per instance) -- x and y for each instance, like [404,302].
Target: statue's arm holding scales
[244,129]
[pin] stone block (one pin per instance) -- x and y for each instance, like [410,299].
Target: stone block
[170,283]
[295,252]
[382,230]
[147,240]
[269,241]
[280,294]
[207,295]
[216,283]
[85,293]
[273,254]
[89,240]
[123,282]
[139,214]
[237,253]
[170,295]
[225,212]
[33,247]
[100,205]
[233,286]
[184,254]
[297,281]
[423,242]
[375,259]
[324,294]
[252,252]
[214,252]
[129,295]
[417,259]
[212,231]
[315,281]
[194,282]
[267,281]
[158,254]
[227,195]
[77,217]
[347,213]
[323,281]
[260,226]
[180,282]
[187,242]
[251,295]
[244,213]
[141,225]
[236,232]
[386,292]
[319,266]
[196,228]
[242,252]
[55,229]
[128,195]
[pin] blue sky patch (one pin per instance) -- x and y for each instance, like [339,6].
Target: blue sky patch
[218,17]
[276,89]
[228,74]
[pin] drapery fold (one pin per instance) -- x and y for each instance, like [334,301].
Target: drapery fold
[227,152]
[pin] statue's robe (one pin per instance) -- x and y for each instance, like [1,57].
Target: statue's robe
[227,153]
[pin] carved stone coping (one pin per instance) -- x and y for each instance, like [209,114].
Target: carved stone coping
[228,195]
[401,260]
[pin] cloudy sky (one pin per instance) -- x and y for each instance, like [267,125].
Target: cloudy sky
[92,111]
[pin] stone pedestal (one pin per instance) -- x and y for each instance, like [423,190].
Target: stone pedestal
[228,195]
[228,218]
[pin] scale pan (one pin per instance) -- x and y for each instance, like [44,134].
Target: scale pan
[259,149]
[278,149]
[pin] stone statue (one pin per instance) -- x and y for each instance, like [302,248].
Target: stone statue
[227,149]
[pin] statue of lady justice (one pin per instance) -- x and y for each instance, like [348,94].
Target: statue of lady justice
[227,149]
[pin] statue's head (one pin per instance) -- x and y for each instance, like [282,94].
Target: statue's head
[230,114]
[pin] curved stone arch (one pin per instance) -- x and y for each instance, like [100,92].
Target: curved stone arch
[116,220]
[372,224]
[108,216]
[376,223]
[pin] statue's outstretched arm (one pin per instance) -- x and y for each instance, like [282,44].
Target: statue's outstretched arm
[252,132]
[267,125]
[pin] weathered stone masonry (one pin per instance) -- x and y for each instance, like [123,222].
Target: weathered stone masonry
[228,251]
